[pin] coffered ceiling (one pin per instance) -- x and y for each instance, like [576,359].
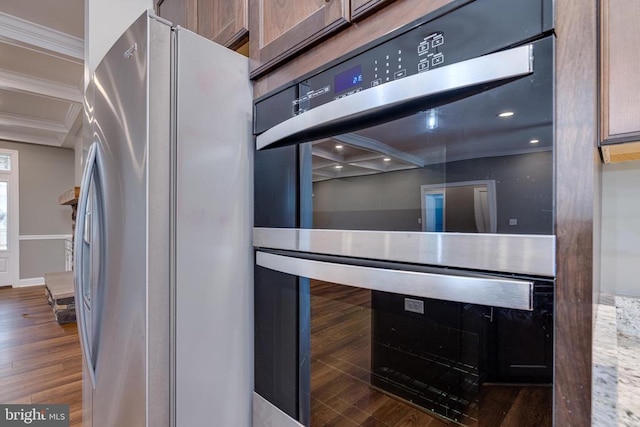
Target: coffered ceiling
[41,71]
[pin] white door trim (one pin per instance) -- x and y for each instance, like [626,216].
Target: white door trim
[13,208]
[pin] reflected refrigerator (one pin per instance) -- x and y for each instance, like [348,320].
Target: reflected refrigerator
[163,255]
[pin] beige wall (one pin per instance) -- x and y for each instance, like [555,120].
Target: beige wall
[620,271]
[38,257]
[45,173]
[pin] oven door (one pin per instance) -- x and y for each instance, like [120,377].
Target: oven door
[376,343]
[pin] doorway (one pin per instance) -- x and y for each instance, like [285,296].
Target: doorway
[467,207]
[9,224]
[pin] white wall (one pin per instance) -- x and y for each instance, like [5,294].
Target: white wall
[620,270]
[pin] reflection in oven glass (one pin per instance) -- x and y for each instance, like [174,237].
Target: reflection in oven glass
[380,359]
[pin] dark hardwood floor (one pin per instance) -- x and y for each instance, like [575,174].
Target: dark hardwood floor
[40,360]
[341,394]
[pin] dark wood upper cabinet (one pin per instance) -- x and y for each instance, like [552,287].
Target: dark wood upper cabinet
[281,28]
[179,12]
[223,21]
[362,8]
[619,80]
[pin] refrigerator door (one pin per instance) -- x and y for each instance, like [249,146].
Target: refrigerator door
[126,370]
[214,292]
[87,375]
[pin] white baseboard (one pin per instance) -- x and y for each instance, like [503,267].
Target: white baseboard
[34,281]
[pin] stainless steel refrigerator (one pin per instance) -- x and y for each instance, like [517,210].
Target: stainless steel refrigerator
[163,255]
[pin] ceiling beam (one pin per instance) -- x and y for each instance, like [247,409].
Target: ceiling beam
[350,174]
[73,122]
[318,152]
[22,83]
[325,174]
[368,165]
[378,147]
[13,120]
[19,32]
[72,115]
[31,139]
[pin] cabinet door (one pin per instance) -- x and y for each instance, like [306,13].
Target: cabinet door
[224,21]
[620,61]
[280,28]
[179,12]
[361,8]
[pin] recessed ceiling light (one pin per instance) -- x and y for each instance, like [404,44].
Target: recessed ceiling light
[432,119]
[338,166]
[534,141]
[339,147]
[506,114]
[387,159]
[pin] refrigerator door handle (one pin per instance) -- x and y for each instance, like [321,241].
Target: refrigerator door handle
[333,116]
[79,254]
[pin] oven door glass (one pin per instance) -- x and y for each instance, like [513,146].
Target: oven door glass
[474,160]
[372,352]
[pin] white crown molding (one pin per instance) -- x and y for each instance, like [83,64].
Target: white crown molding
[24,33]
[14,120]
[31,139]
[72,115]
[73,125]
[23,83]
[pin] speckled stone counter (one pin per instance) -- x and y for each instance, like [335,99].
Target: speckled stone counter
[616,363]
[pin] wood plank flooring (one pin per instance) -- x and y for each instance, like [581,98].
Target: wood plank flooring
[40,360]
[341,394]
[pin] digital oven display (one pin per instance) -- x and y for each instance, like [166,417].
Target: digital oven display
[347,79]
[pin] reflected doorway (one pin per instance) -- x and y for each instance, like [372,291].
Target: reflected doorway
[463,207]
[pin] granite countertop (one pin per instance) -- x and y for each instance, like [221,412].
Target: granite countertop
[616,362]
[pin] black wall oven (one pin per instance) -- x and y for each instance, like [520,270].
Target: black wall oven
[404,220]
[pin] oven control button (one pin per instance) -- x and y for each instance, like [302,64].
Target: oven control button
[437,40]
[423,65]
[376,82]
[437,59]
[423,47]
[399,74]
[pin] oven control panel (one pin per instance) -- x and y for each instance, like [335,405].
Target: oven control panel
[461,34]
[416,52]
[446,36]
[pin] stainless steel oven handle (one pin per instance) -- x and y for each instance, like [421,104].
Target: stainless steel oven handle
[494,292]
[494,67]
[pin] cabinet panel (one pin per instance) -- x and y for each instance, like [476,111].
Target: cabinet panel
[620,61]
[179,12]
[361,8]
[223,21]
[280,28]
